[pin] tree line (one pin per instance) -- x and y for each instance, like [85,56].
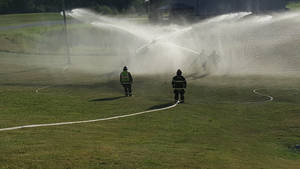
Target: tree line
[104,6]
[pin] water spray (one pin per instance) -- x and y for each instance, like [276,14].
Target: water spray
[246,44]
[66,35]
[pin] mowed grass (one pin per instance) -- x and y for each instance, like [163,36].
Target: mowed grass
[221,125]
[293,6]
[26,39]
[17,19]
[50,39]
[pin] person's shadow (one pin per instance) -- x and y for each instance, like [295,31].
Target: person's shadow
[161,106]
[107,99]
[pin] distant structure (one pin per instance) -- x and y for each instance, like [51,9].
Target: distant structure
[200,9]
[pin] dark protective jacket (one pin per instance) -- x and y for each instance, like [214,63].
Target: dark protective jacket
[126,78]
[179,82]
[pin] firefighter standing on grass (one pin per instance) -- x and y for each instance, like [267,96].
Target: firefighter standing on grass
[126,81]
[179,84]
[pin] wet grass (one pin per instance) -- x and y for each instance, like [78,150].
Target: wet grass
[221,125]
[215,128]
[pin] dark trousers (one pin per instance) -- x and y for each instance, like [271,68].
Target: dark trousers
[127,88]
[178,92]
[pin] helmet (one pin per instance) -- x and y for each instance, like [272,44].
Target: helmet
[179,72]
[125,68]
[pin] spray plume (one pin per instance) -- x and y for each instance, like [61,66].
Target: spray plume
[237,43]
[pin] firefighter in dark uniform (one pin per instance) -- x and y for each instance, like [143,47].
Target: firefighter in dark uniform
[126,81]
[179,84]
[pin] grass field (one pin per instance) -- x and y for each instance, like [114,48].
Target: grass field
[23,39]
[49,39]
[18,19]
[293,6]
[223,124]
[216,128]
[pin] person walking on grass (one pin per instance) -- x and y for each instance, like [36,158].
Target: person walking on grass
[179,86]
[126,81]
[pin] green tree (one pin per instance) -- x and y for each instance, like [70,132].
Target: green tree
[25,6]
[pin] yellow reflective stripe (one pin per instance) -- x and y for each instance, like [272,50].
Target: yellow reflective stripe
[125,77]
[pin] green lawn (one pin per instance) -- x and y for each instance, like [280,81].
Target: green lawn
[293,6]
[18,19]
[217,127]
[51,39]
[223,124]
[26,39]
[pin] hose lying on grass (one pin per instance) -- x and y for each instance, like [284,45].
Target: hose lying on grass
[89,121]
